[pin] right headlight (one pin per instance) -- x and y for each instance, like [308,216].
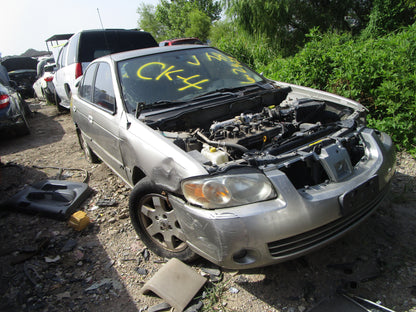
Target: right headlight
[228,190]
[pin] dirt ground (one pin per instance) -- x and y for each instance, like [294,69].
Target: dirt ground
[47,266]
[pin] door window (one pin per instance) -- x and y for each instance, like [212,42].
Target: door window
[85,90]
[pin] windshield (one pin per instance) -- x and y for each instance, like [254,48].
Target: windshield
[180,76]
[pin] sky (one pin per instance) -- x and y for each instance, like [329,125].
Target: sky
[26,24]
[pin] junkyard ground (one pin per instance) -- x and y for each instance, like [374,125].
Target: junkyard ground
[47,266]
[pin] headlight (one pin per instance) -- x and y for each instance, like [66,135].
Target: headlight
[228,190]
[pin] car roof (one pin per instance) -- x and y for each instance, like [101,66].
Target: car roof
[112,30]
[150,51]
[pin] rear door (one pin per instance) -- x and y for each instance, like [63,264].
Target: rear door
[83,102]
[105,120]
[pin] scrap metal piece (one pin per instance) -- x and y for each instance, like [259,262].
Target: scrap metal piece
[176,283]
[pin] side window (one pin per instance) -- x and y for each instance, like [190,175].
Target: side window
[62,56]
[72,49]
[103,89]
[85,89]
[59,60]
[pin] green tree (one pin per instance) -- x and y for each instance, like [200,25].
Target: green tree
[199,25]
[389,15]
[288,21]
[149,22]
[179,18]
[211,8]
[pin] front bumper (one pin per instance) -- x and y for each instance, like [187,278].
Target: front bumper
[295,223]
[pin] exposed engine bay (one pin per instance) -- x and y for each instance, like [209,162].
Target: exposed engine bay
[274,128]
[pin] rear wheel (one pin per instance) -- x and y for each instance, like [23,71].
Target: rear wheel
[156,223]
[23,128]
[57,100]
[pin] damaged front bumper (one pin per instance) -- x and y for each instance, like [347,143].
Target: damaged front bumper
[295,223]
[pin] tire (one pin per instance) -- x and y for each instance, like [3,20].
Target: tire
[25,108]
[89,154]
[156,223]
[23,128]
[59,108]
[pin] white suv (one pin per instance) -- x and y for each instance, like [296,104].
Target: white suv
[87,45]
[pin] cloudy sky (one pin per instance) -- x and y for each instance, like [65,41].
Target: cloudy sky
[27,24]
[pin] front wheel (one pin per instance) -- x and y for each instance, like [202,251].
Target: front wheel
[156,223]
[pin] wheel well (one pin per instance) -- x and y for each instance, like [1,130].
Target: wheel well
[67,89]
[138,174]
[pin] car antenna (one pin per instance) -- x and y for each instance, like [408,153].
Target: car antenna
[105,35]
[99,16]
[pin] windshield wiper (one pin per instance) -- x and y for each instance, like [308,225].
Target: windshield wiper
[222,91]
[162,103]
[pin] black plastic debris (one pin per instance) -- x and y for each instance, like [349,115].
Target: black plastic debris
[106,202]
[51,198]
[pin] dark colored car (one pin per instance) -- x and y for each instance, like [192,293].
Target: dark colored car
[87,45]
[178,41]
[23,71]
[224,163]
[13,113]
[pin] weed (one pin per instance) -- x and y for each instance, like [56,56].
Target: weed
[213,296]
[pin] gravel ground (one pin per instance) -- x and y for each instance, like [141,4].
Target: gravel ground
[47,266]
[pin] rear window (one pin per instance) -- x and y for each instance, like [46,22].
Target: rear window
[72,52]
[96,44]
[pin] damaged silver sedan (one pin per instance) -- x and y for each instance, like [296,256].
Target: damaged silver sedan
[225,164]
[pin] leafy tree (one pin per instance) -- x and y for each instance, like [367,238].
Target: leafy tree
[288,21]
[389,15]
[199,25]
[211,8]
[174,15]
[149,22]
[179,18]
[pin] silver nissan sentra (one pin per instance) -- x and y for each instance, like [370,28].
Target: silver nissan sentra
[224,163]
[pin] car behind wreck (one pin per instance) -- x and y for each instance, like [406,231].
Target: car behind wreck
[13,113]
[22,70]
[226,164]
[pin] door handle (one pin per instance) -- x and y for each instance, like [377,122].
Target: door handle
[90,119]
